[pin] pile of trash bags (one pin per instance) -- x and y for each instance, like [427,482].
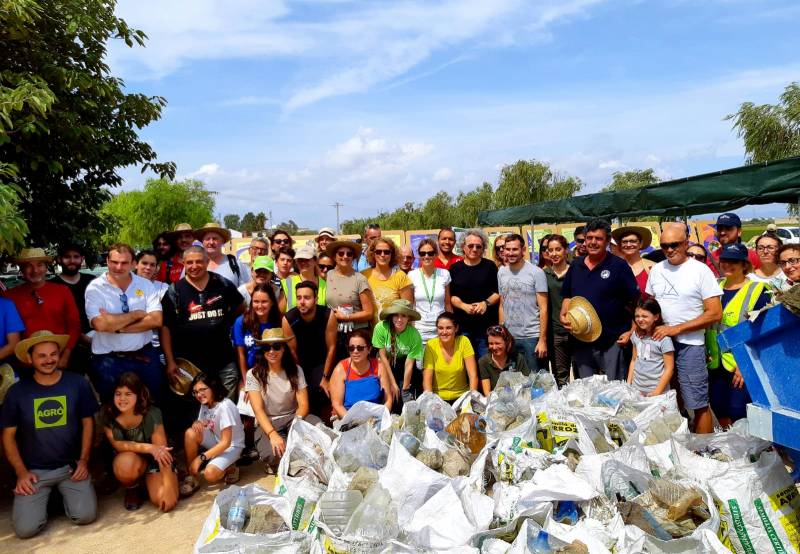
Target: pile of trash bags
[593,467]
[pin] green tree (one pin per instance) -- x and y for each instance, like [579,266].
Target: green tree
[66,124]
[13,228]
[249,224]
[139,215]
[771,131]
[468,204]
[531,181]
[438,211]
[624,180]
[232,221]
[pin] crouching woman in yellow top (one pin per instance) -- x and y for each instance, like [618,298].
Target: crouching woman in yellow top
[449,366]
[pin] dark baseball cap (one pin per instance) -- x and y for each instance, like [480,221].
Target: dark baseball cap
[729,220]
[734,252]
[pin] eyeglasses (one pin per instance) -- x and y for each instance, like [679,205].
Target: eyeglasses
[268,347]
[326,267]
[698,257]
[382,252]
[670,245]
[200,390]
[280,241]
[357,347]
[39,300]
[766,248]
[630,241]
[344,254]
[499,246]
[473,246]
[124,299]
[408,257]
[426,253]
[580,241]
[789,261]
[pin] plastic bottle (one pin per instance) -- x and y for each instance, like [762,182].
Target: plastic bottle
[435,419]
[536,392]
[337,507]
[238,512]
[538,541]
[566,512]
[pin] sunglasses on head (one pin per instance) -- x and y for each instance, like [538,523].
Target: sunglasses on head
[357,347]
[426,254]
[269,347]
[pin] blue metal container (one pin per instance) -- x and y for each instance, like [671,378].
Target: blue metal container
[767,352]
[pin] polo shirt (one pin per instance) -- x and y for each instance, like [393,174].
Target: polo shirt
[101,294]
[448,264]
[50,308]
[611,288]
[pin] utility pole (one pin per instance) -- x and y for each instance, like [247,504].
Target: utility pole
[337,205]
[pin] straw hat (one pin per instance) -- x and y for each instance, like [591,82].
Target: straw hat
[212,227]
[22,350]
[32,255]
[644,234]
[337,244]
[584,322]
[180,228]
[6,380]
[403,307]
[270,336]
[187,371]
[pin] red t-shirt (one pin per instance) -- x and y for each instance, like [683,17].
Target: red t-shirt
[51,308]
[175,265]
[446,265]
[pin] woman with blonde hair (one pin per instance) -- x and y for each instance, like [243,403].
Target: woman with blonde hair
[387,281]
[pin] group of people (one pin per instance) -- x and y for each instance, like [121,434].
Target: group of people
[198,362]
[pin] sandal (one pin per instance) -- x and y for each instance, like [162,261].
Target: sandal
[133,498]
[189,486]
[232,477]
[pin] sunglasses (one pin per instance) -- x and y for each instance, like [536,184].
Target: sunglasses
[499,329]
[269,347]
[39,300]
[344,254]
[382,252]
[326,267]
[580,241]
[124,299]
[474,246]
[698,257]
[670,245]
[357,347]
[499,247]
[789,261]
[426,254]
[280,241]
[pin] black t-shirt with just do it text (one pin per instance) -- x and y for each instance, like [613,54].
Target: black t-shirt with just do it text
[200,324]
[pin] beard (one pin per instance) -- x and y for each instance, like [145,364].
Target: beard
[70,270]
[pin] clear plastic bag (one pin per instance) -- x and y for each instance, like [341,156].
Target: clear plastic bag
[375,518]
[360,446]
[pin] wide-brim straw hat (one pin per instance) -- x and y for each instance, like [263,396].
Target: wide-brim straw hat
[212,227]
[22,350]
[187,371]
[644,234]
[402,307]
[32,255]
[584,322]
[179,229]
[6,380]
[330,251]
[270,336]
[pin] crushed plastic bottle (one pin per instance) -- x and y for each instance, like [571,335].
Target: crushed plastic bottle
[538,541]
[238,512]
[536,392]
[435,419]
[566,512]
[337,507]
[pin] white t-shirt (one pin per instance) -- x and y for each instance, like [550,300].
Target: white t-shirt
[141,294]
[681,290]
[431,303]
[223,415]
[224,269]
[776,281]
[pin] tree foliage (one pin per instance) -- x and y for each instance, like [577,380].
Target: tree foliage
[12,226]
[66,124]
[137,216]
[232,221]
[770,131]
[532,181]
[624,180]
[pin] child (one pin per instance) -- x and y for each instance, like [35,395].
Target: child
[218,431]
[653,361]
[399,347]
[136,432]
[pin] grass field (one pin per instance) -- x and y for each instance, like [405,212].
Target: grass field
[750,231]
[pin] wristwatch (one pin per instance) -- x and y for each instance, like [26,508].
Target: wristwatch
[203,457]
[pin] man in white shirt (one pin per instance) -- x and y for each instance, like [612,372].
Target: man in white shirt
[690,302]
[123,309]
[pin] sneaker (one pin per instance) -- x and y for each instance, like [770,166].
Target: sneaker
[232,476]
[189,486]
[133,498]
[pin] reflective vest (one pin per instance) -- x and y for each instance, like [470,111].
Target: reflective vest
[292,281]
[732,314]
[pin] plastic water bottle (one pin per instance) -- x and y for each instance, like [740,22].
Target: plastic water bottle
[238,512]
[536,392]
[435,419]
[566,512]
[538,541]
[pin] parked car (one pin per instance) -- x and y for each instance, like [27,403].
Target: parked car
[789,235]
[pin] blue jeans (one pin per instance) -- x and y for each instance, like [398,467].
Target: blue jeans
[145,363]
[479,344]
[527,347]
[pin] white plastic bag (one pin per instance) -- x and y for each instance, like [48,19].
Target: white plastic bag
[363,411]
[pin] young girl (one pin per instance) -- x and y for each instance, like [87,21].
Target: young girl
[400,346]
[653,361]
[218,431]
[135,430]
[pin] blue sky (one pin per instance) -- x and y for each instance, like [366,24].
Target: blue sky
[290,106]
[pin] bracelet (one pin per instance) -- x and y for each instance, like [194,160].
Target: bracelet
[487,303]
[273,431]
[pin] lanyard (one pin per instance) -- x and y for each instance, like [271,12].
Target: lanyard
[429,295]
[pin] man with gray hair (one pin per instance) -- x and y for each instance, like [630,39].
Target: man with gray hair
[259,246]
[473,290]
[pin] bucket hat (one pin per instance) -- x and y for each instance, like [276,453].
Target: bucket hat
[584,322]
[400,306]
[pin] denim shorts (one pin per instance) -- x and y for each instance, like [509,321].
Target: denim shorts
[690,366]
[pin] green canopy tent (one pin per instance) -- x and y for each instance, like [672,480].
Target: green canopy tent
[764,183]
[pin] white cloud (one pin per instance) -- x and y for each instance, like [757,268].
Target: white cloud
[442,174]
[205,170]
[616,165]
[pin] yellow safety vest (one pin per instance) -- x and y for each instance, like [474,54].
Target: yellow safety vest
[732,314]
[289,285]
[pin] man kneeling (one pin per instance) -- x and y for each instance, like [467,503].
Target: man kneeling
[47,422]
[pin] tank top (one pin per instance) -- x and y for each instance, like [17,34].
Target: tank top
[310,335]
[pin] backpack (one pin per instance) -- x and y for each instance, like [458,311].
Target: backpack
[233,262]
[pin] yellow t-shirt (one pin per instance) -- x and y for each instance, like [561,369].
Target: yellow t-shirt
[387,291]
[450,380]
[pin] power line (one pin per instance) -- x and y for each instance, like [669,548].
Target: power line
[337,205]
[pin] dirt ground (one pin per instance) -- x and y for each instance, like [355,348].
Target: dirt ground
[117,531]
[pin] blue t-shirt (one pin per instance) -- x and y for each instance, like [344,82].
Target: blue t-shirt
[612,290]
[48,419]
[247,340]
[10,321]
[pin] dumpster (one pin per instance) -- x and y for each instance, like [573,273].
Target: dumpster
[767,351]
